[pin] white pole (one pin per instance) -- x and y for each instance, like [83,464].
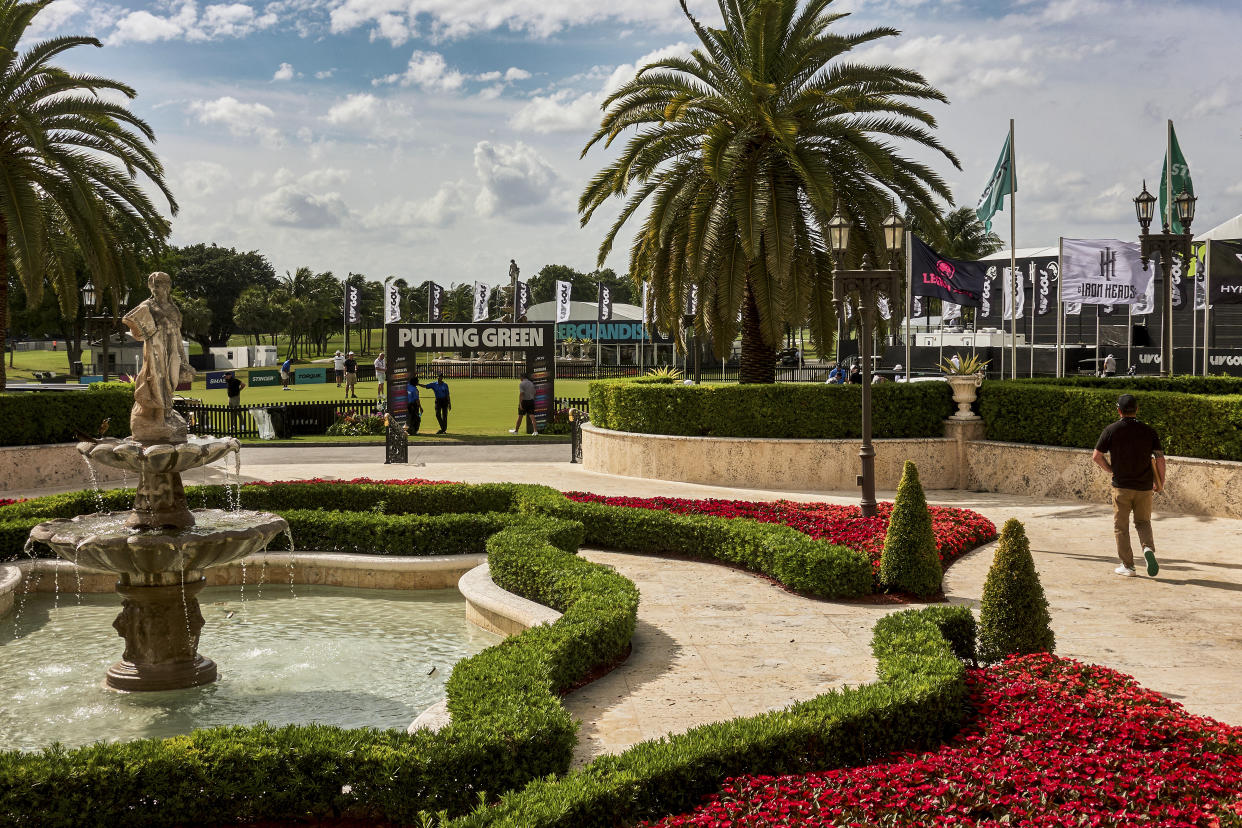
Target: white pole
[1194,326]
[1166,332]
[1097,337]
[1060,307]
[1207,301]
[1013,260]
[1034,313]
[909,295]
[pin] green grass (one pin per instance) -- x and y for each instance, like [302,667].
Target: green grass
[480,406]
[25,363]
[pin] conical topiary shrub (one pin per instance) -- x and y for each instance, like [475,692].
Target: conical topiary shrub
[1014,617]
[910,561]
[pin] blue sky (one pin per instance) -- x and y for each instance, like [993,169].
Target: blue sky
[440,138]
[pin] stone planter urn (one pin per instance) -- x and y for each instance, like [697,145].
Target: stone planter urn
[964,393]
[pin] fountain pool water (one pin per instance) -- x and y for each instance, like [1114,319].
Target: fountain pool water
[345,657]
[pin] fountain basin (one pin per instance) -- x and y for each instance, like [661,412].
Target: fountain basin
[159,458]
[103,542]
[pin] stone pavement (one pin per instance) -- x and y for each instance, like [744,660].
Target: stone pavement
[713,643]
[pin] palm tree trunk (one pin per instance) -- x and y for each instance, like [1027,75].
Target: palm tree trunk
[758,357]
[4,300]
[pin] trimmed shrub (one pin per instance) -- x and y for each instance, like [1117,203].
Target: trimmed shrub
[47,417]
[910,562]
[1184,384]
[1014,616]
[783,410]
[918,702]
[1190,425]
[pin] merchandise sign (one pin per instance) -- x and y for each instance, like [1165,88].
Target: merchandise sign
[1102,272]
[263,377]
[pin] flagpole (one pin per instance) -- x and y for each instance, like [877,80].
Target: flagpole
[909,294]
[1194,325]
[1129,335]
[1207,300]
[1034,313]
[1013,261]
[1060,372]
[1097,337]
[1166,332]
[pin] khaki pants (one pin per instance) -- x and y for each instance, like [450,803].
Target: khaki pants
[1126,501]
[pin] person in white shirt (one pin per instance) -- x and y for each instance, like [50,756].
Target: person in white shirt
[381,368]
[338,366]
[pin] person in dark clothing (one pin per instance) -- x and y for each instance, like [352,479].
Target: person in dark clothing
[856,376]
[233,388]
[1136,462]
[414,407]
[351,376]
[443,403]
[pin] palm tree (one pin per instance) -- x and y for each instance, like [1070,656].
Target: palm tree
[745,150]
[68,156]
[959,235]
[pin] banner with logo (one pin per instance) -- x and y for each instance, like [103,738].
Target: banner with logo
[646,303]
[353,300]
[881,303]
[1044,273]
[563,291]
[952,280]
[1003,182]
[1181,180]
[435,302]
[604,313]
[949,312]
[1102,272]
[1225,277]
[523,299]
[480,301]
[1008,279]
[392,302]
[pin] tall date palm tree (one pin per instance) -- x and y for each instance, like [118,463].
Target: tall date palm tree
[69,153]
[743,151]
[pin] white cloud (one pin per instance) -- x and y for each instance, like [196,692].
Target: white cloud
[963,65]
[429,70]
[325,74]
[220,20]
[516,74]
[1218,101]
[568,111]
[295,206]
[284,72]
[199,179]
[144,27]
[240,118]
[439,211]
[360,107]
[54,16]
[514,177]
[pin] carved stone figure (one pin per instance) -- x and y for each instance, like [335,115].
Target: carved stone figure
[156,323]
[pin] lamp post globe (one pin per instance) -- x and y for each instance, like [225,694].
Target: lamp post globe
[894,234]
[88,296]
[1145,208]
[1184,205]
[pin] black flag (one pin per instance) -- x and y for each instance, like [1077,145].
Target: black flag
[605,303]
[523,299]
[952,280]
[435,302]
[1225,277]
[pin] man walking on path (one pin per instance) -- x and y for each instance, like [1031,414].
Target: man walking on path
[443,404]
[526,406]
[338,367]
[351,376]
[1137,466]
[285,368]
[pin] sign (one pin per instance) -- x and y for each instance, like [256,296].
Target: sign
[304,376]
[1102,272]
[392,302]
[481,292]
[263,377]
[353,298]
[435,302]
[952,280]
[609,333]
[1225,277]
[523,299]
[215,379]
[563,291]
[605,303]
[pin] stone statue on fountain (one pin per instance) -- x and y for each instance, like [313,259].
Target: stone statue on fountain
[156,323]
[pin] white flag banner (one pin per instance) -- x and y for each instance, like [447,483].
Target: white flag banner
[1007,286]
[1147,300]
[480,301]
[950,312]
[392,302]
[881,303]
[916,308]
[1073,308]
[1103,272]
[646,303]
[563,290]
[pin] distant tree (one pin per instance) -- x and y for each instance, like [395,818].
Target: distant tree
[260,311]
[458,303]
[585,285]
[957,235]
[196,317]
[218,275]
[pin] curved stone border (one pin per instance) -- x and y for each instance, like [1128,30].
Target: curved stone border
[763,463]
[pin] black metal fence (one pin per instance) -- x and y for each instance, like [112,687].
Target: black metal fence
[288,419]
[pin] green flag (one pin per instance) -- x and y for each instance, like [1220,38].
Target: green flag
[1003,182]
[1181,179]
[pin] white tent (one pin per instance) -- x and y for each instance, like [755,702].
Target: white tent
[1023,253]
[1229,231]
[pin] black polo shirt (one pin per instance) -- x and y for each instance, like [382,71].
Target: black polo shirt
[1130,445]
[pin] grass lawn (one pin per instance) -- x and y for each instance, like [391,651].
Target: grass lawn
[25,363]
[480,406]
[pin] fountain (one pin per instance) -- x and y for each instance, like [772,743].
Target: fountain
[160,548]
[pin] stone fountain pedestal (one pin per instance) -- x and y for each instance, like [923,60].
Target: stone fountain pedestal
[159,551]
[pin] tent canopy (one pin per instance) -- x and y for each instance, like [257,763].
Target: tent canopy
[1229,231]
[1023,253]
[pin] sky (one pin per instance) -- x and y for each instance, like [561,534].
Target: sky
[438,139]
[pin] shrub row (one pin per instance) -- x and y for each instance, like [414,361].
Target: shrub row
[1185,384]
[783,410]
[1190,425]
[918,702]
[508,729]
[30,419]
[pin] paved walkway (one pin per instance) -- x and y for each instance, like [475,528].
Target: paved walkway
[713,643]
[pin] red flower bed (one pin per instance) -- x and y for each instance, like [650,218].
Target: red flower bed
[5,501]
[413,481]
[1053,742]
[956,530]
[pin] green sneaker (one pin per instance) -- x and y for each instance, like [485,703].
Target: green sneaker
[1149,555]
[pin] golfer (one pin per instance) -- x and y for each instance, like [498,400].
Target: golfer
[526,406]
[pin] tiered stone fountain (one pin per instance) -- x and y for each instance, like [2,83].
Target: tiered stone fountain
[159,549]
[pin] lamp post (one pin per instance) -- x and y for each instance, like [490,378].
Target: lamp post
[1166,245]
[868,283]
[95,312]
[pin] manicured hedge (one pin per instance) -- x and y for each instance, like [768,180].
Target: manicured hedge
[784,410]
[1185,384]
[917,703]
[35,418]
[1190,425]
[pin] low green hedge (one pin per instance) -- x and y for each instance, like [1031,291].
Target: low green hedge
[30,419]
[1185,384]
[783,410]
[917,703]
[1190,425]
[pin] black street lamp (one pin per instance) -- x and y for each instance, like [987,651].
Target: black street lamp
[868,283]
[1167,245]
[96,312]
